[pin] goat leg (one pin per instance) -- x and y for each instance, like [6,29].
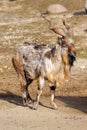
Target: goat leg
[40,87]
[52,90]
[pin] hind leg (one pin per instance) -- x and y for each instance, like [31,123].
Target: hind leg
[29,99]
[24,90]
[18,65]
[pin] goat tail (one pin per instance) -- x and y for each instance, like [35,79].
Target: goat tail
[17,61]
[14,63]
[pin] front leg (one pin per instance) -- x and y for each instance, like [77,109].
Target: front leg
[39,92]
[52,90]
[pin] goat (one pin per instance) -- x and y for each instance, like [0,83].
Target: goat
[44,62]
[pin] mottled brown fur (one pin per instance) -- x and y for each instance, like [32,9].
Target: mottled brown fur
[43,62]
[51,53]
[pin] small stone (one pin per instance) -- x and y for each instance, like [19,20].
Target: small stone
[5,67]
[82,67]
[1,70]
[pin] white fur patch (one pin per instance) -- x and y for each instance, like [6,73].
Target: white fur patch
[24,94]
[48,64]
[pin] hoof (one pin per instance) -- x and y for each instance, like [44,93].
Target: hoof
[25,104]
[54,106]
[34,108]
[30,101]
[35,105]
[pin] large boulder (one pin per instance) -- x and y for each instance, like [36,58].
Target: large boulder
[86,6]
[56,8]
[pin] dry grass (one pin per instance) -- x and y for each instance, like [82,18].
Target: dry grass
[21,21]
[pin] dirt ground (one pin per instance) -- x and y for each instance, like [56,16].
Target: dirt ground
[71,98]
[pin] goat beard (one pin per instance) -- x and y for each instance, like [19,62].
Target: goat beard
[71,59]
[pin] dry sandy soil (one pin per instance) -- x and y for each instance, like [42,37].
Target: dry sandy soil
[71,98]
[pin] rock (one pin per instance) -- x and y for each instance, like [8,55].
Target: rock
[1,70]
[12,0]
[56,8]
[5,67]
[86,6]
[82,67]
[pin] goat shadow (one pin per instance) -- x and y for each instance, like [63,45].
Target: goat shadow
[79,103]
[17,100]
[80,13]
[11,98]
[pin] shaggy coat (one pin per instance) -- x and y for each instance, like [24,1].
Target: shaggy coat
[43,62]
